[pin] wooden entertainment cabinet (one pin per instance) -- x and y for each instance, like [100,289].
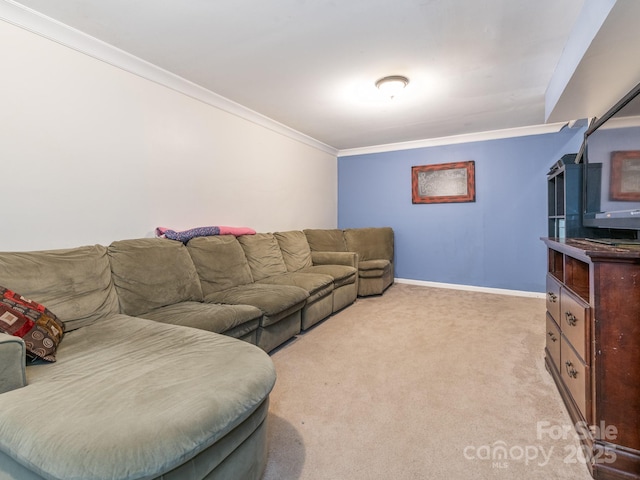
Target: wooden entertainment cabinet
[593,348]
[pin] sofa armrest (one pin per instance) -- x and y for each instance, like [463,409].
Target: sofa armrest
[12,363]
[349,259]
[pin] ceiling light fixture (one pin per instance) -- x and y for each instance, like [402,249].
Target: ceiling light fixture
[392,85]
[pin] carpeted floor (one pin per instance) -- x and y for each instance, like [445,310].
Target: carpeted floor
[421,383]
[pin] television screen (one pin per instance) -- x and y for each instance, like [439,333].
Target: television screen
[611,154]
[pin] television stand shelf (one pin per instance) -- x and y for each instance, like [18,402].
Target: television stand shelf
[593,348]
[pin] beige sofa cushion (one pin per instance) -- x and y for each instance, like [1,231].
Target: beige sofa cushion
[220,262]
[74,283]
[373,266]
[295,249]
[235,319]
[316,284]
[263,255]
[370,243]
[341,274]
[150,273]
[275,301]
[157,397]
[326,240]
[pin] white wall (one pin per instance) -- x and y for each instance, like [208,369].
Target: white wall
[90,153]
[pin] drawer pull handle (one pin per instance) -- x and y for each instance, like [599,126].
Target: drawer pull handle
[570,318]
[572,372]
[552,297]
[552,336]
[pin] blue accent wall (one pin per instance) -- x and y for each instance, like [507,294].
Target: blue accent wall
[493,242]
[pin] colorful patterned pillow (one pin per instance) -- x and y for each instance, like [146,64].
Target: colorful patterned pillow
[35,324]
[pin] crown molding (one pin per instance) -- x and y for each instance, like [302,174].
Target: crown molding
[456,139]
[46,27]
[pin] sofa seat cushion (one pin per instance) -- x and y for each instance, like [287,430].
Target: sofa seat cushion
[373,268]
[154,399]
[275,301]
[239,319]
[317,284]
[341,274]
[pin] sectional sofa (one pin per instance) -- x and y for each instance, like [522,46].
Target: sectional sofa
[163,371]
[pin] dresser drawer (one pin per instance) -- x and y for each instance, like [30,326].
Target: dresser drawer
[553,341]
[574,323]
[553,297]
[576,376]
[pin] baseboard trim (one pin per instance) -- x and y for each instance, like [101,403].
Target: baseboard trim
[472,288]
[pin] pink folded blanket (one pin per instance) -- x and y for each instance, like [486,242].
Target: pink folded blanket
[186,235]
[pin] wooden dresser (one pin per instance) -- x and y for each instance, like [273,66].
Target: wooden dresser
[593,348]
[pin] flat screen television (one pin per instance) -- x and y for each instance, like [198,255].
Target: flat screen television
[611,156]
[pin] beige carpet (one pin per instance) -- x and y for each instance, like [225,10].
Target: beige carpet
[421,383]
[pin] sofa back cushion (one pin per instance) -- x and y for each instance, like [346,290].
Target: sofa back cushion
[220,262]
[330,240]
[263,254]
[150,273]
[75,284]
[370,243]
[295,249]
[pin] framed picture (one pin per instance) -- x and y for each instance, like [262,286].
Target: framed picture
[625,175]
[444,183]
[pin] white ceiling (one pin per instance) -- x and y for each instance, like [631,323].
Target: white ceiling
[474,65]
